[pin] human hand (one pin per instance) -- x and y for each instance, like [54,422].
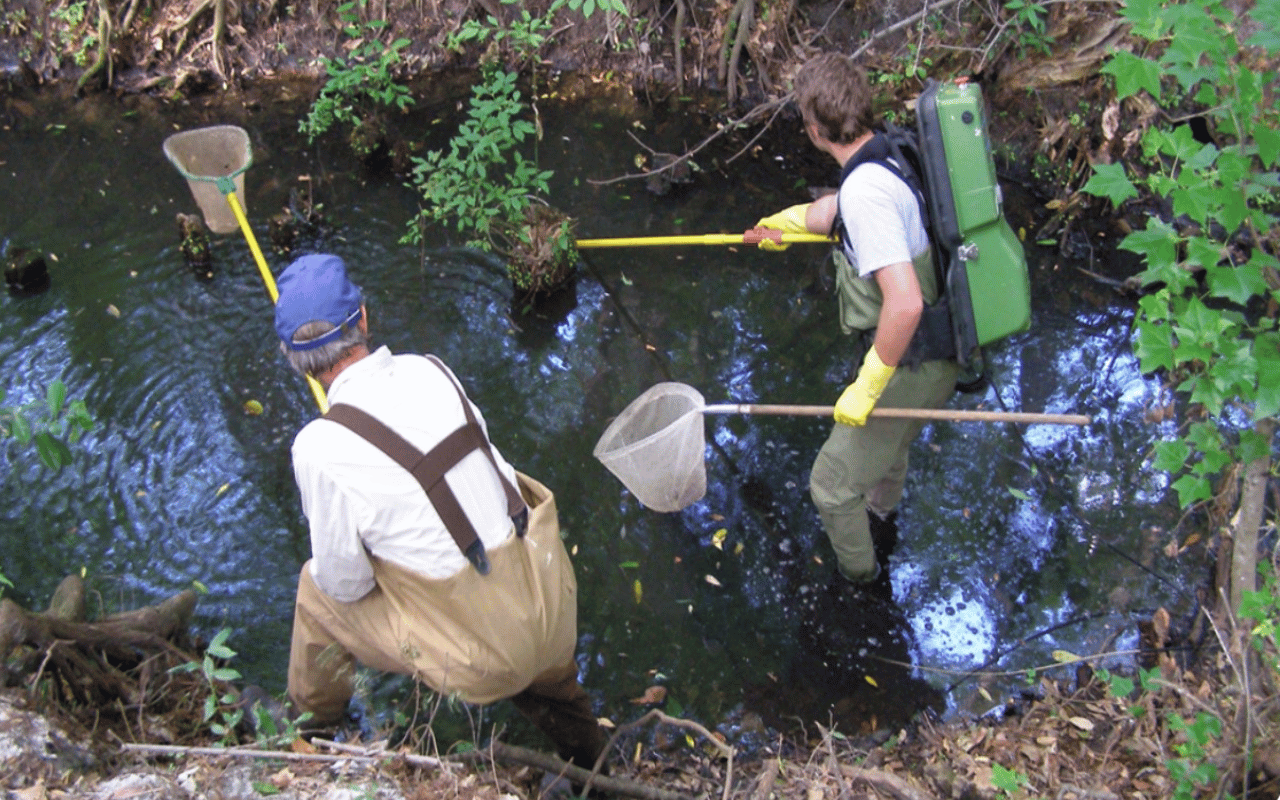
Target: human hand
[859,397]
[788,220]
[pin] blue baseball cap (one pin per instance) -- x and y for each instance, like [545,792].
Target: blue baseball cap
[316,288]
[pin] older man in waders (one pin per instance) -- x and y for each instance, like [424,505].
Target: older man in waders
[430,555]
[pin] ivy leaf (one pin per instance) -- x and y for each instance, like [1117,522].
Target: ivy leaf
[1203,251]
[1252,446]
[1237,284]
[1133,74]
[1109,181]
[1158,243]
[1171,456]
[1192,489]
[1149,18]
[1154,347]
[1265,13]
[1267,400]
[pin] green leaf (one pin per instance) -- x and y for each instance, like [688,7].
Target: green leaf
[56,396]
[1120,686]
[1237,284]
[1192,489]
[1006,780]
[21,429]
[1154,347]
[1266,401]
[1133,74]
[1265,13]
[53,453]
[1252,447]
[1110,181]
[1148,18]
[1171,456]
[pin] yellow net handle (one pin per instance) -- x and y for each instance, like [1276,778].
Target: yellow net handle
[316,390]
[750,237]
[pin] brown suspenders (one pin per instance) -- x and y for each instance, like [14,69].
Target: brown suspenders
[429,469]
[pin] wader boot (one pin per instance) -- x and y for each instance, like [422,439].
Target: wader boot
[884,537]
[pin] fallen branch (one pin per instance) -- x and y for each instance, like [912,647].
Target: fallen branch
[885,783]
[549,763]
[688,725]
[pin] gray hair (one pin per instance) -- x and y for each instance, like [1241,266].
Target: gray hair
[312,362]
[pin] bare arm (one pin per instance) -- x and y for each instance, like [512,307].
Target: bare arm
[820,214]
[900,312]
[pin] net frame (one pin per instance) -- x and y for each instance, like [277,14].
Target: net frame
[213,161]
[657,445]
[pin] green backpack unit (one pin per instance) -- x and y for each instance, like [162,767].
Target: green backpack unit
[985,292]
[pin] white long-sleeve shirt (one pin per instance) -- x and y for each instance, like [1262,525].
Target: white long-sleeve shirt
[360,502]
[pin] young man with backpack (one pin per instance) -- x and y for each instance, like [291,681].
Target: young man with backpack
[886,277]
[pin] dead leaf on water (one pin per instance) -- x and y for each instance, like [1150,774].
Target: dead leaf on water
[222,490]
[253,408]
[113,311]
[711,579]
[652,696]
[718,537]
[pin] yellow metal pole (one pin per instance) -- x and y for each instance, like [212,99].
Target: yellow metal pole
[316,390]
[705,238]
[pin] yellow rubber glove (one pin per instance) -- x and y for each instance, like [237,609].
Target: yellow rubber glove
[860,397]
[788,220]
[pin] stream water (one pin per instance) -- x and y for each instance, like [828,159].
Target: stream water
[1015,541]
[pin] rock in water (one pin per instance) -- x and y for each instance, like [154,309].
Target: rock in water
[25,272]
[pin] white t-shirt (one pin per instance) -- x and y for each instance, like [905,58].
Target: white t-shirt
[882,217]
[360,502]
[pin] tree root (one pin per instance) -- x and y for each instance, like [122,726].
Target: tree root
[90,663]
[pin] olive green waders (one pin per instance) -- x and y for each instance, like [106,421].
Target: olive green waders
[508,634]
[866,466]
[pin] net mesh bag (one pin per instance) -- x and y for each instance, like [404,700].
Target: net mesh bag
[655,447]
[203,156]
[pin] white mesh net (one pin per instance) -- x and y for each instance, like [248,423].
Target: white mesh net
[655,447]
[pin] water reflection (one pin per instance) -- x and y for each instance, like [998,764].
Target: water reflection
[1005,531]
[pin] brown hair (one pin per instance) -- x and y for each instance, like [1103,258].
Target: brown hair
[833,93]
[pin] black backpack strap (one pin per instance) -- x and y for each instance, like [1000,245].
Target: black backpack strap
[933,338]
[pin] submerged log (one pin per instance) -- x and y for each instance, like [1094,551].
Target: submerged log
[91,662]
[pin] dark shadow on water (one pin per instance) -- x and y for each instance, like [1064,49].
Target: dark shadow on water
[851,667]
[538,319]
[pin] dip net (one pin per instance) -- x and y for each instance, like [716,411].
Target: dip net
[656,447]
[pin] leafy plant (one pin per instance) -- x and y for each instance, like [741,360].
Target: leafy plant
[362,82]
[1007,781]
[1204,323]
[220,711]
[51,426]
[1027,25]
[486,187]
